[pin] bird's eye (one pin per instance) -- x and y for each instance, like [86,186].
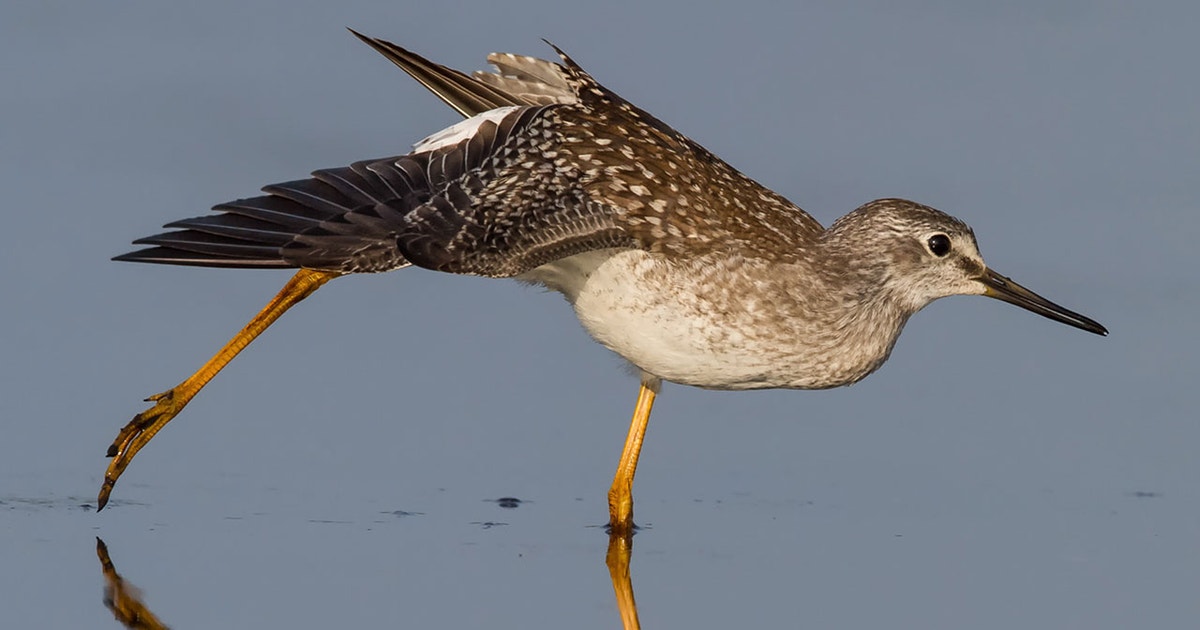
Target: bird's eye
[939,244]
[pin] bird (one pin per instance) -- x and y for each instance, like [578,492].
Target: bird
[676,261]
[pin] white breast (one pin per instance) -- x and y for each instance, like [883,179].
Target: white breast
[665,322]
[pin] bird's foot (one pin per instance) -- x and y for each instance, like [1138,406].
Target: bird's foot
[134,436]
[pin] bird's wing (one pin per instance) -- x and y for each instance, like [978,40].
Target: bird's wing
[666,192]
[515,186]
[255,232]
[480,197]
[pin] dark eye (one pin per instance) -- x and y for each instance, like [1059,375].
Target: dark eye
[939,244]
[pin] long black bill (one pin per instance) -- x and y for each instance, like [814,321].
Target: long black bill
[1002,288]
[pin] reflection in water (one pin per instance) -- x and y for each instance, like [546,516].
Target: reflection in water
[509,503]
[123,598]
[620,548]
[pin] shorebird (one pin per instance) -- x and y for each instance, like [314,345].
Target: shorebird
[690,270]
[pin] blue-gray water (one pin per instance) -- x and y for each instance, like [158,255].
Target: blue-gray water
[1000,471]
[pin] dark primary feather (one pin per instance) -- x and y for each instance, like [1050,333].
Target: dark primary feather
[466,95]
[268,231]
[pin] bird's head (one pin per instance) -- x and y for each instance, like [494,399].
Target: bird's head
[917,254]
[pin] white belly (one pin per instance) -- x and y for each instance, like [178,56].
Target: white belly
[675,326]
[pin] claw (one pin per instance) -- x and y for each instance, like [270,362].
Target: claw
[136,434]
[159,396]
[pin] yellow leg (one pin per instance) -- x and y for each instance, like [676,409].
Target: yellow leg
[168,404]
[620,495]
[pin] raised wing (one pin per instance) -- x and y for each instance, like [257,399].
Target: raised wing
[479,197]
[550,164]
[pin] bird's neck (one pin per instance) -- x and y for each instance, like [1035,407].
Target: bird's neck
[858,320]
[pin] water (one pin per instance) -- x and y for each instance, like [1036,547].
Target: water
[1000,471]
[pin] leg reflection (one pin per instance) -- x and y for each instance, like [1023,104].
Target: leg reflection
[620,548]
[123,598]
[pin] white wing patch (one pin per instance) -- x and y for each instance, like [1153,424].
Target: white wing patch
[461,131]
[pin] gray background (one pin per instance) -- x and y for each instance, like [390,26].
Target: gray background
[1000,471]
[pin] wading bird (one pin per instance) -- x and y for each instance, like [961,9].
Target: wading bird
[690,270]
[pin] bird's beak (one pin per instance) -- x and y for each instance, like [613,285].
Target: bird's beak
[1001,288]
